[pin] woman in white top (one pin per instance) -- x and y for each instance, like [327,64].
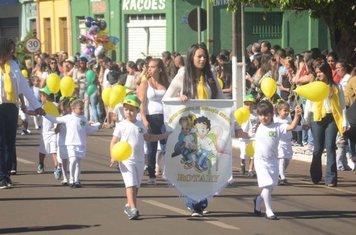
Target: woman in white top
[196,82]
[151,92]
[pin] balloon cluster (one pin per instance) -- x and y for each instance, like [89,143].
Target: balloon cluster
[90,77]
[55,83]
[97,40]
[113,95]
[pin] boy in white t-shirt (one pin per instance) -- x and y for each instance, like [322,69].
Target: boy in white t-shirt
[48,140]
[132,131]
[76,138]
[250,127]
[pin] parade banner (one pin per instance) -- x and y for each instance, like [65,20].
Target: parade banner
[198,156]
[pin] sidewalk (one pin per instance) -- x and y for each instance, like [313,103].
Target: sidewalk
[299,154]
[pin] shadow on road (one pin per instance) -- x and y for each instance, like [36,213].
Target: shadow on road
[45,228]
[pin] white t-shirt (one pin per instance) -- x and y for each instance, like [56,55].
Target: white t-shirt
[77,128]
[249,126]
[285,144]
[48,127]
[130,82]
[133,134]
[267,140]
[266,153]
[61,137]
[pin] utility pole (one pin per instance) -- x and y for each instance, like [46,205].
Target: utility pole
[237,76]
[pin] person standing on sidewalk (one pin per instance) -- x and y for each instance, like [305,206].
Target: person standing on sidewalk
[12,84]
[150,92]
[327,118]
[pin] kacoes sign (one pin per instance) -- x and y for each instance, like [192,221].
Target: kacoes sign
[140,5]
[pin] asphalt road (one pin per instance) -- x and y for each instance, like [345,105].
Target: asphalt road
[38,204]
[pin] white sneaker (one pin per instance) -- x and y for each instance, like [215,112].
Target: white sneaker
[151,181]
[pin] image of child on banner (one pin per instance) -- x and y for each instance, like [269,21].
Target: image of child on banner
[186,141]
[206,149]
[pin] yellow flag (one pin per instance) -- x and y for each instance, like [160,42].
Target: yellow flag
[202,89]
[8,86]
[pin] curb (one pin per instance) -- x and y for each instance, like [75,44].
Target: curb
[297,155]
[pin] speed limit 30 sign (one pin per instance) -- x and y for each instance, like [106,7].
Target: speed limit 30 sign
[33,45]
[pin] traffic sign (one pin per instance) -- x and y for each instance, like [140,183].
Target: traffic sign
[33,45]
[193,19]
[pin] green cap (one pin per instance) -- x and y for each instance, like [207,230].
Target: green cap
[46,90]
[249,98]
[132,100]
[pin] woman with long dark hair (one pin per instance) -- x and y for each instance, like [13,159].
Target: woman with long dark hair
[150,92]
[196,82]
[328,117]
[12,84]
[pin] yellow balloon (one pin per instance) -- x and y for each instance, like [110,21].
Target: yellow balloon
[105,95]
[51,108]
[117,95]
[250,149]
[242,115]
[53,81]
[67,86]
[268,86]
[24,73]
[314,91]
[221,83]
[121,151]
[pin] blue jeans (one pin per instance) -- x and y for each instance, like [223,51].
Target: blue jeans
[156,126]
[308,137]
[94,109]
[8,127]
[324,134]
[197,206]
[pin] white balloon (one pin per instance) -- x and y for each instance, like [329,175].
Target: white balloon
[99,50]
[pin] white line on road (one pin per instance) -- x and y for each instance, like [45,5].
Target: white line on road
[24,161]
[184,212]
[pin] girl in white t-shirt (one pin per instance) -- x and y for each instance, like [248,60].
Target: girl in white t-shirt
[267,138]
[76,138]
[132,131]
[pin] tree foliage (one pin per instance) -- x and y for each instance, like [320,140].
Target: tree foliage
[339,15]
[20,53]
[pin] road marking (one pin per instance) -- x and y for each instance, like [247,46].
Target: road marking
[184,212]
[24,161]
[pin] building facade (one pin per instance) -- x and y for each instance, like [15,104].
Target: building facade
[148,27]
[55,28]
[10,18]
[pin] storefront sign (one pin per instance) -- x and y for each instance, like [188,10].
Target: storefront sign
[220,3]
[139,5]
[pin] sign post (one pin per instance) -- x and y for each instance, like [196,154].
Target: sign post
[197,21]
[32,45]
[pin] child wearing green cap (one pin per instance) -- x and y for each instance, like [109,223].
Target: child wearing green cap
[132,131]
[48,138]
[250,127]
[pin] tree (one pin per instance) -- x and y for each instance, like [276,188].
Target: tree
[20,53]
[339,15]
